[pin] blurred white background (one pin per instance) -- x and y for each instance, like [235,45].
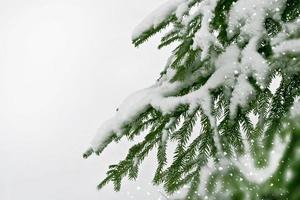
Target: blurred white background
[65,66]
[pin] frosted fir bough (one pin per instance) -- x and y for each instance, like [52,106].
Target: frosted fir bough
[228,53]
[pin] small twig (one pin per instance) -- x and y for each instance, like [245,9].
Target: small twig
[89,152]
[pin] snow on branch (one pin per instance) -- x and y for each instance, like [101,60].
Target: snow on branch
[282,43]
[295,110]
[248,17]
[160,96]
[204,37]
[159,15]
[233,67]
[287,46]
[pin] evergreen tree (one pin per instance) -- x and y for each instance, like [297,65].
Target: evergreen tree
[228,53]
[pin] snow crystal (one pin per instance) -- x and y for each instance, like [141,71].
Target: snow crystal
[157,17]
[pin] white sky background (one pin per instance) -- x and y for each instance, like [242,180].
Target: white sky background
[65,66]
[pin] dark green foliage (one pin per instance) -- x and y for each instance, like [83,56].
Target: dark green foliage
[146,35]
[153,30]
[220,20]
[292,10]
[273,27]
[232,136]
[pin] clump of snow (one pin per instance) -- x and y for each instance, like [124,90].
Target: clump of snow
[287,30]
[293,26]
[181,10]
[158,16]
[132,107]
[281,44]
[253,63]
[204,37]
[248,16]
[241,94]
[287,46]
[295,110]
[193,13]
